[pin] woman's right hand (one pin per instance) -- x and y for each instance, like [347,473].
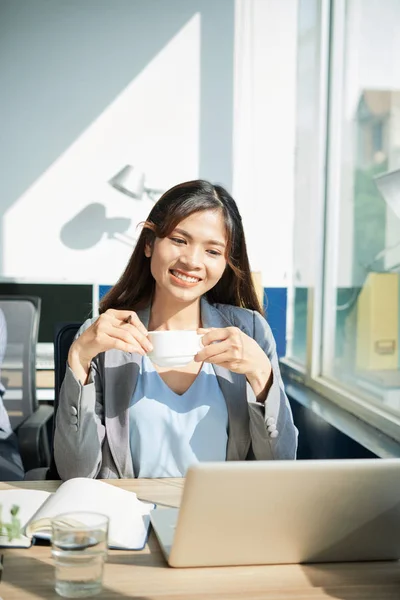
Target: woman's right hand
[114,329]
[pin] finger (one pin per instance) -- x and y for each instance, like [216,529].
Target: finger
[138,335]
[126,332]
[216,335]
[213,350]
[203,330]
[131,335]
[118,344]
[223,360]
[104,318]
[138,323]
[120,333]
[123,315]
[228,365]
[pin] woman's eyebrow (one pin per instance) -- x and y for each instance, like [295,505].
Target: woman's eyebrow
[190,237]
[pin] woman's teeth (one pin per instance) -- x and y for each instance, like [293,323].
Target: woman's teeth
[185,277]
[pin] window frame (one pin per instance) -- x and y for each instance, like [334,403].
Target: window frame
[321,320]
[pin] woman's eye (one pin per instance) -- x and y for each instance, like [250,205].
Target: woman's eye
[178,240]
[214,252]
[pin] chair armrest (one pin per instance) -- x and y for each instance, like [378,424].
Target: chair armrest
[39,474]
[33,439]
[10,470]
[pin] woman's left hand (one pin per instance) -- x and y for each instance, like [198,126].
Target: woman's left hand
[229,347]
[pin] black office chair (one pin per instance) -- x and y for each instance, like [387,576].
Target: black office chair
[63,338]
[30,421]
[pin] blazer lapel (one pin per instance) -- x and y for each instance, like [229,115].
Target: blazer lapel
[122,372]
[233,387]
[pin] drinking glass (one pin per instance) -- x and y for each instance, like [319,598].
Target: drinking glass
[79,548]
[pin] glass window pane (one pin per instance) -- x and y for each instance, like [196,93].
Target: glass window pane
[307,107]
[363,299]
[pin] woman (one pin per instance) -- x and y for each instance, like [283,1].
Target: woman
[120,415]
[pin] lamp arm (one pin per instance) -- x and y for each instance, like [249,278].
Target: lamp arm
[153,193]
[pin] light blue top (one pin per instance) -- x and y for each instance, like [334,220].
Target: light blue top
[169,432]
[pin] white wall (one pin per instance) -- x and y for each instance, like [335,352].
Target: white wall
[309,106]
[88,87]
[149,125]
[92,86]
[264,132]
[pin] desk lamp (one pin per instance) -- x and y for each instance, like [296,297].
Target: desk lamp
[131,182]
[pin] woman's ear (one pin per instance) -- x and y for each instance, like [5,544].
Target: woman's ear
[147,250]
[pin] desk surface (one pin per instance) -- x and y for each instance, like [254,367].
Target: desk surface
[28,574]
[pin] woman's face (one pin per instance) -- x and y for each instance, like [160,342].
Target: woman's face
[191,260]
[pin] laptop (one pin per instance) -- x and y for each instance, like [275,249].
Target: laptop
[273,512]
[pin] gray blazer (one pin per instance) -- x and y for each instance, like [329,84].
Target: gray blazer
[92,425]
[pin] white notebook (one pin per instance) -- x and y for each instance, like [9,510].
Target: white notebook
[129,516]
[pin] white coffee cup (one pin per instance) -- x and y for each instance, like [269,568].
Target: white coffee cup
[174,348]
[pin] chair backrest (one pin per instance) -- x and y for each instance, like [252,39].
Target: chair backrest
[18,371]
[63,338]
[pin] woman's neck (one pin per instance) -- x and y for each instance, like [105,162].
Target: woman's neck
[165,315]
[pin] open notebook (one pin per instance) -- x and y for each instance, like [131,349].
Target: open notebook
[129,517]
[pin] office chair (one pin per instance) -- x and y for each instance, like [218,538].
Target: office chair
[29,420]
[64,336]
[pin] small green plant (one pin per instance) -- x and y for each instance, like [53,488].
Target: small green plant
[12,529]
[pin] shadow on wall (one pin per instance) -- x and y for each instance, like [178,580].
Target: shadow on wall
[90,225]
[97,49]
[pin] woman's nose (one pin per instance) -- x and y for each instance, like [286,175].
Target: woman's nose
[192,256]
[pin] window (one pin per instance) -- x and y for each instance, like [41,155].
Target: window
[310,111]
[347,236]
[362,279]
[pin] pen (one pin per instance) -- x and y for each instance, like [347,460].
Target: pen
[129,320]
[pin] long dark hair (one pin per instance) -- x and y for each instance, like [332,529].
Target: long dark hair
[134,290]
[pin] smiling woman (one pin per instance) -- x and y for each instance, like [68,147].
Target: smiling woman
[190,261]
[120,415]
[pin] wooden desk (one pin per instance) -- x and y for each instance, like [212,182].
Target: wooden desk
[28,574]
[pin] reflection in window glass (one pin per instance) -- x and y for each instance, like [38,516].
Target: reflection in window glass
[364,296]
[307,103]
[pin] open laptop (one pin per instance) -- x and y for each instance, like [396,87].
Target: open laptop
[272,512]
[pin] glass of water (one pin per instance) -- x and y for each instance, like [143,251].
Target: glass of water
[79,548]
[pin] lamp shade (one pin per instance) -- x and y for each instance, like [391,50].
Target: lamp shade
[129,181]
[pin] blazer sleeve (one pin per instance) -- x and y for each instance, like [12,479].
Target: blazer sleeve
[80,430]
[273,433]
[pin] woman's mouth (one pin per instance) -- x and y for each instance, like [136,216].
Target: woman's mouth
[183,278]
